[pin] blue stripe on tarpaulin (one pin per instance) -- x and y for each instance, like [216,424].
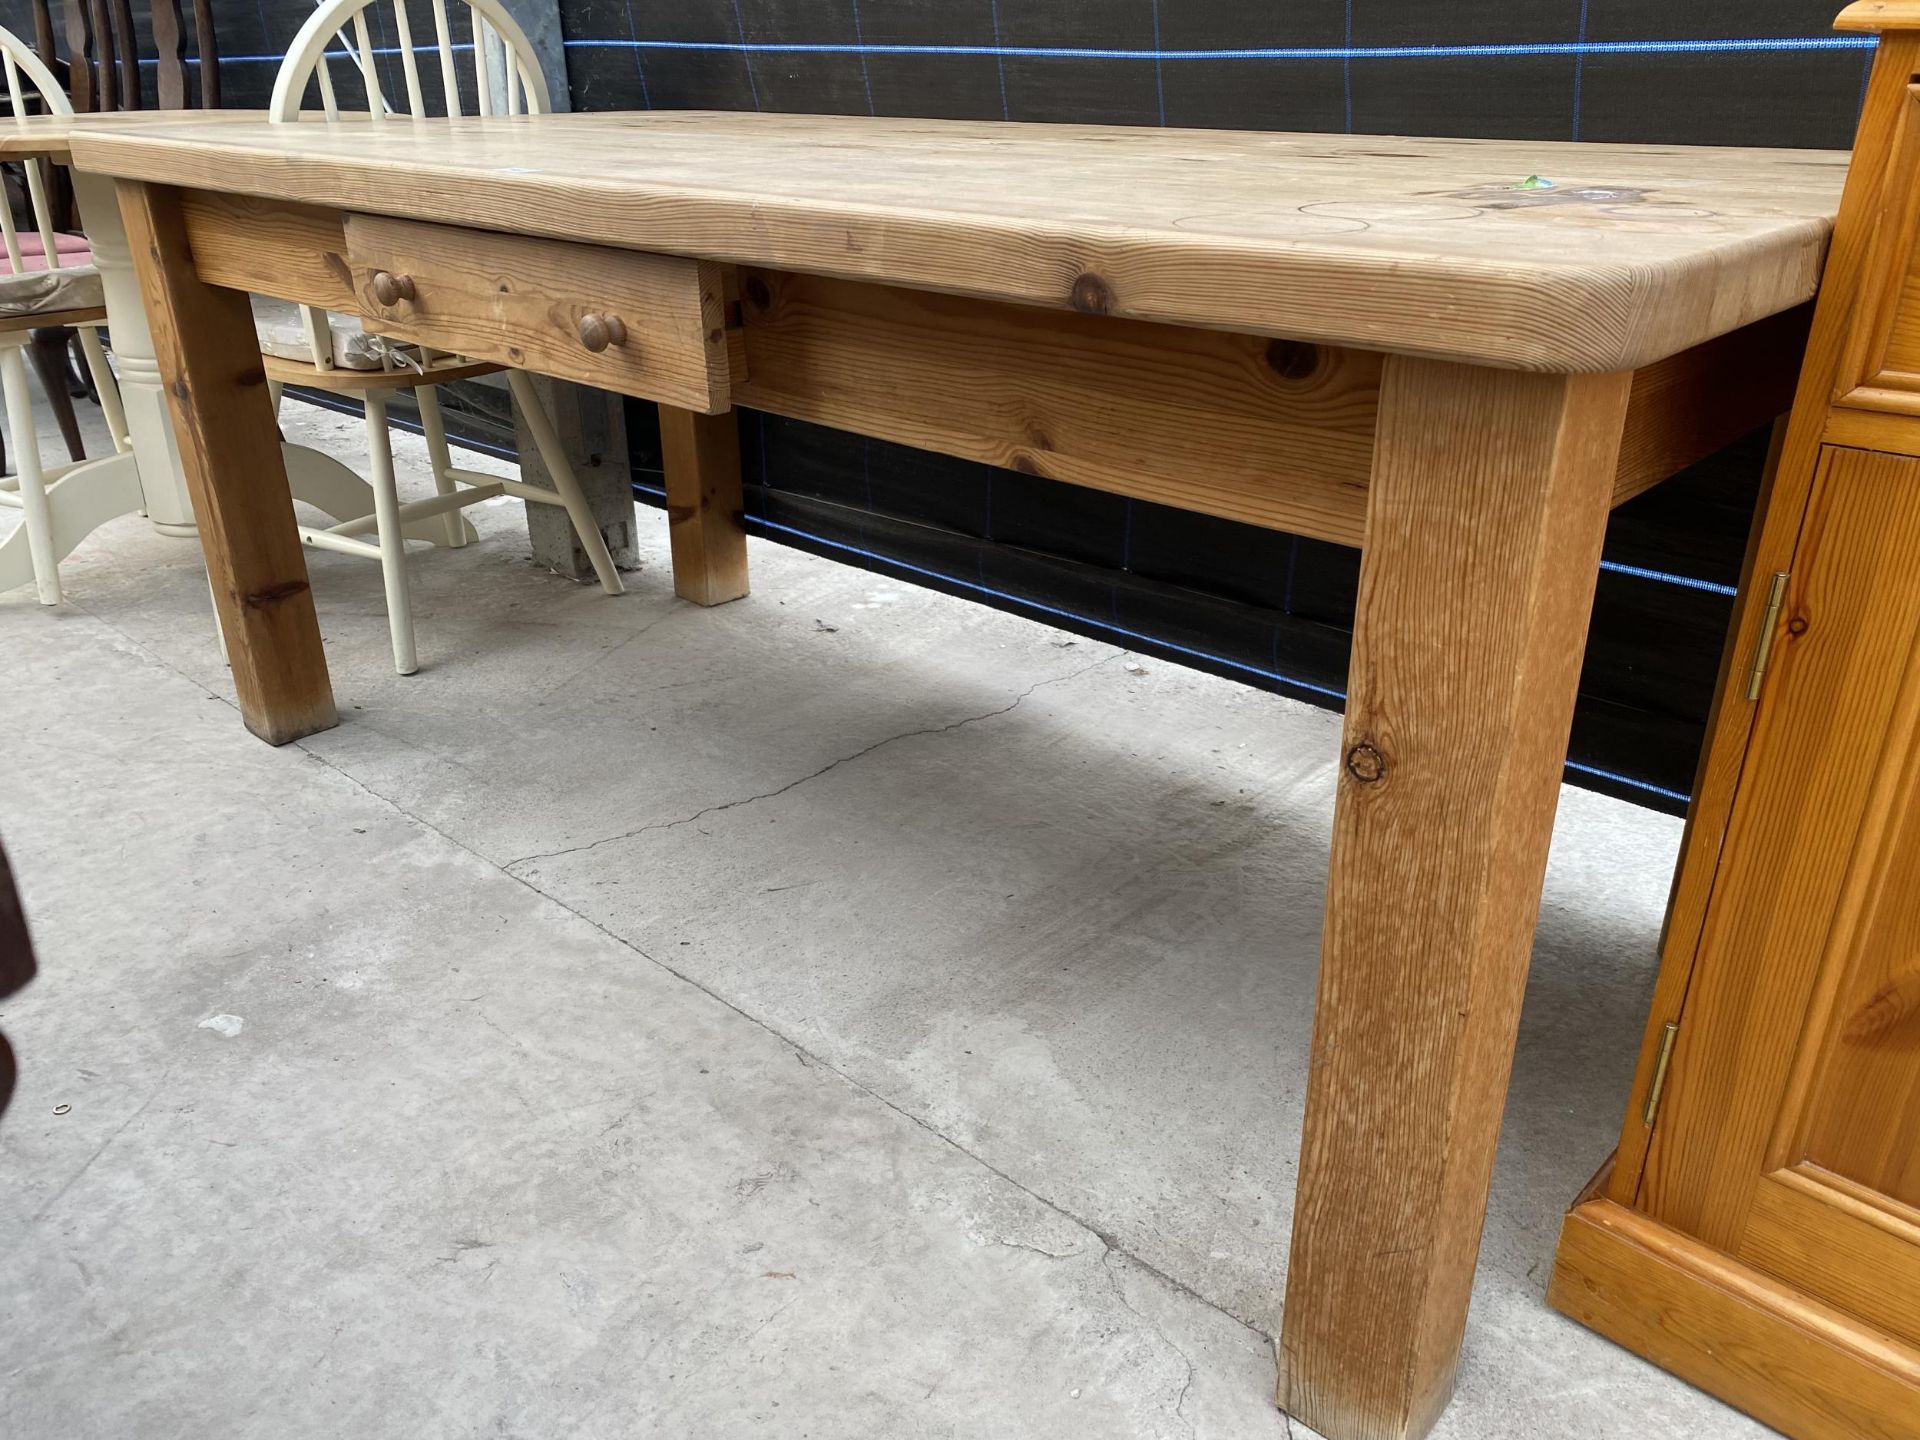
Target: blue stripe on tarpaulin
[1580,68]
[1276,52]
[1040,607]
[1667,577]
[1627,780]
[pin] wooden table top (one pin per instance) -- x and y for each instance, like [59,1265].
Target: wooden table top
[52,135]
[1435,247]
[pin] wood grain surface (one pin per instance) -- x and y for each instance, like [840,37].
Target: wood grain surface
[1783,501]
[204,340]
[1804,1368]
[1832,743]
[1263,431]
[1484,522]
[1853,1254]
[1877,15]
[520,302]
[1419,246]
[1269,432]
[706,517]
[49,135]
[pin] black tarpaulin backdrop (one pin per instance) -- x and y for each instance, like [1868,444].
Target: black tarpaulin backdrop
[1265,608]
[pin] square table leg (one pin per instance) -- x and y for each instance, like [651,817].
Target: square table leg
[706,523]
[1488,504]
[209,361]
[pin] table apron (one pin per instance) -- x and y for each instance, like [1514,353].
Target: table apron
[1273,433]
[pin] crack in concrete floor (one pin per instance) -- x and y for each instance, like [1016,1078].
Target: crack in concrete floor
[1120,1294]
[830,766]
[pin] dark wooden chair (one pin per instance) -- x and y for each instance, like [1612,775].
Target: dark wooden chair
[103,54]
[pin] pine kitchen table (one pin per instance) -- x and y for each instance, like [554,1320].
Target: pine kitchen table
[1456,355]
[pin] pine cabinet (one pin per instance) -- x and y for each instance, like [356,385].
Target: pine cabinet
[1758,1230]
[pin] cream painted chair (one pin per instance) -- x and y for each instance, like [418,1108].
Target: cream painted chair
[49,281]
[336,353]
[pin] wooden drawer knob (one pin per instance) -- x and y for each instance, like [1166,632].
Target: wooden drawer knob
[599,331]
[391,289]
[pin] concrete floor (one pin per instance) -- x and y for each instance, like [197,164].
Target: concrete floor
[846,1013]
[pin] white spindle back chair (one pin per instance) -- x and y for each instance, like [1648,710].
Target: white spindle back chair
[497,41]
[78,306]
[338,31]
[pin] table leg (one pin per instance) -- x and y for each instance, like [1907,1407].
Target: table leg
[1489,500]
[705,512]
[204,340]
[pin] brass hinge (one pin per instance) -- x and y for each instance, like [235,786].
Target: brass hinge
[1659,1083]
[1763,648]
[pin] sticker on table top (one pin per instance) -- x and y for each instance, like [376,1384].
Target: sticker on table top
[1538,190]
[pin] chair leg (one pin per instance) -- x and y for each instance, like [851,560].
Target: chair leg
[106,393]
[393,544]
[76,357]
[33,490]
[435,426]
[49,346]
[547,441]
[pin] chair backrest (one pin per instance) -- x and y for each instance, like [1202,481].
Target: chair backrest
[170,41]
[43,44]
[506,70]
[506,79]
[31,88]
[103,54]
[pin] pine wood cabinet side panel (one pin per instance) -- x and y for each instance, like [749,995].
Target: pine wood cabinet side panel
[1848,625]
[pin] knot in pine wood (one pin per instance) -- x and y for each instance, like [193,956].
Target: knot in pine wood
[1091,294]
[1293,359]
[273,594]
[1366,764]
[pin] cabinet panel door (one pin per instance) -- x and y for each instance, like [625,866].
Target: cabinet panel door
[1787,1131]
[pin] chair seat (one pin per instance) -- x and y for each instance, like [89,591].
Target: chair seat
[41,291]
[444,370]
[72,249]
[283,334]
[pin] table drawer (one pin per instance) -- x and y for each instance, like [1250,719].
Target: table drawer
[647,325]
